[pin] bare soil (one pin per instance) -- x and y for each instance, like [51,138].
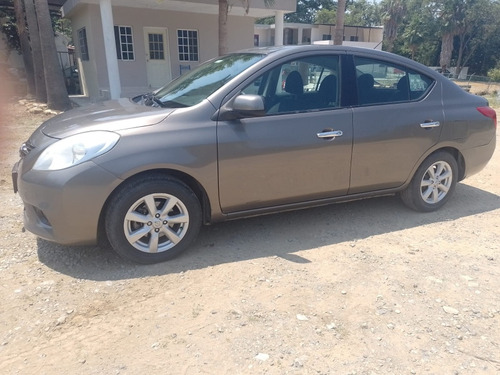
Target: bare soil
[366,287]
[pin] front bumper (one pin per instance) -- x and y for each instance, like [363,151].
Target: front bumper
[64,206]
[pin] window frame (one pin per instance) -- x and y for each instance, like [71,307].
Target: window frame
[158,54]
[192,56]
[121,53]
[83,44]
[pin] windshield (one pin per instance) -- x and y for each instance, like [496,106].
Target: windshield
[192,88]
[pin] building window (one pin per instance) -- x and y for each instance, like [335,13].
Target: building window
[124,43]
[327,37]
[156,49]
[187,41]
[354,38]
[82,41]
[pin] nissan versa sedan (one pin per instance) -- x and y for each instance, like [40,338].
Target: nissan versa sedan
[250,133]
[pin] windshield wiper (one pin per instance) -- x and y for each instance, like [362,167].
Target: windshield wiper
[151,100]
[157,101]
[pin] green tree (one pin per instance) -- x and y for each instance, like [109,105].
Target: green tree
[451,14]
[326,17]
[357,13]
[362,13]
[480,23]
[307,10]
[483,51]
[418,32]
[392,13]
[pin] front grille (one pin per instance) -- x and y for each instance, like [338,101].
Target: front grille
[25,149]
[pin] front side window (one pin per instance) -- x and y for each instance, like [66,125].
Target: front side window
[124,43]
[305,84]
[381,82]
[82,41]
[187,41]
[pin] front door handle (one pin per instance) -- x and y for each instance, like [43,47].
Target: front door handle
[430,124]
[330,134]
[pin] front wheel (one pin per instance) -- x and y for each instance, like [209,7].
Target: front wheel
[433,183]
[153,219]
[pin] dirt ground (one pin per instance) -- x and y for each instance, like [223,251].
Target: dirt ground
[367,287]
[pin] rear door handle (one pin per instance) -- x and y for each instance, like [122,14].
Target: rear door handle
[330,134]
[430,124]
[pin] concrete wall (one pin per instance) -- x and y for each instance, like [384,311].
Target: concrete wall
[90,79]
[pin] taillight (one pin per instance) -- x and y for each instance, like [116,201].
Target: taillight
[489,112]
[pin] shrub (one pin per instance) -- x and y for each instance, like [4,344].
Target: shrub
[494,74]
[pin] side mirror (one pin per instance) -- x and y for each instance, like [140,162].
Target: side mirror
[243,106]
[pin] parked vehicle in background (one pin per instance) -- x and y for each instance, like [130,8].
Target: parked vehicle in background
[253,132]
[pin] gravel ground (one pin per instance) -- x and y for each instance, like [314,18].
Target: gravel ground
[367,287]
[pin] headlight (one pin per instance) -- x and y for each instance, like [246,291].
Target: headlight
[75,149]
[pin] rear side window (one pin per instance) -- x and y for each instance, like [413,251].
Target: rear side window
[379,82]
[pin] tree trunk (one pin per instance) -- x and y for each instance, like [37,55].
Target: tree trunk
[446,51]
[460,57]
[338,36]
[413,49]
[223,11]
[25,47]
[36,51]
[390,34]
[57,94]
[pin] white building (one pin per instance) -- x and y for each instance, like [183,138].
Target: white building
[298,33]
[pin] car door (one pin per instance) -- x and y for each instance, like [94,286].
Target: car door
[398,118]
[299,151]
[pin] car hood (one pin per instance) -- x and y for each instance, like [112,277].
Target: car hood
[111,115]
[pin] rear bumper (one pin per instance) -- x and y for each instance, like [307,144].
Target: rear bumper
[476,158]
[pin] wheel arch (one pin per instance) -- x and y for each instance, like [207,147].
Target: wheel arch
[457,155]
[188,180]
[453,151]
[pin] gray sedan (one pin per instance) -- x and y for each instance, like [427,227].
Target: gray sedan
[250,133]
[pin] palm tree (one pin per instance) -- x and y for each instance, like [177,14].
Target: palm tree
[393,12]
[57,95]
[338,35]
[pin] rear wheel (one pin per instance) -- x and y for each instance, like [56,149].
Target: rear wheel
[153,219]
[433,183]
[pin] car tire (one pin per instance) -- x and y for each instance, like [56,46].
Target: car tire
[152,219]
[433,183]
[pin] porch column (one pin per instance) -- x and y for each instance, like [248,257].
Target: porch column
[278,28]
[299,35]
[108,32]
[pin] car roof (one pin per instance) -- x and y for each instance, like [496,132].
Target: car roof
[281,51]
[310,47]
